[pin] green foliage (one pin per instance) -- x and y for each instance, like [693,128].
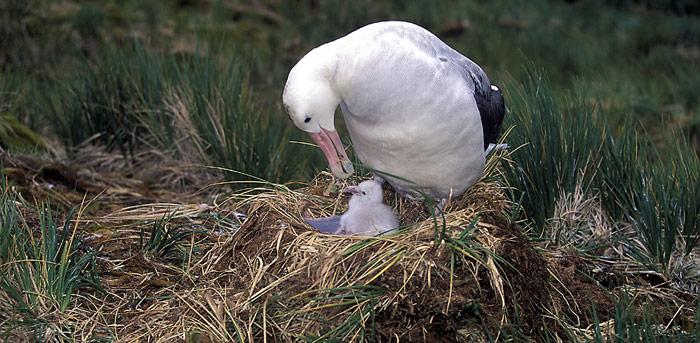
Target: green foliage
[687,7]
[40,267]
[561,148]
[13,31]
[359,321]
[239,133]
[558,147]
[8,221]
[133,99]
[88,20]
[14,134]
[112,100]
[660,198]
[165,239]
[32,41]
[633,324]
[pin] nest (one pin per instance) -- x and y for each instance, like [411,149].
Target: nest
[459,276]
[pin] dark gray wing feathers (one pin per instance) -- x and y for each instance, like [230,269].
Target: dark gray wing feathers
[489,101]
[326,225]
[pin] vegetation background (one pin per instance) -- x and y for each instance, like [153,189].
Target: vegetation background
[603,99]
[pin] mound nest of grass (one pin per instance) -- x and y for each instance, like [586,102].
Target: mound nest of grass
[427,281]
[462,276]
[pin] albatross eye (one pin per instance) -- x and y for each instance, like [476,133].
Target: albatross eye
[308,119]
[363,193]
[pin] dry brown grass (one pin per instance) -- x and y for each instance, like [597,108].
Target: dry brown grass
[258,272]
[274,277]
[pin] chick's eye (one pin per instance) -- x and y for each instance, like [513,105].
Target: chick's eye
[363,193]
[307,120]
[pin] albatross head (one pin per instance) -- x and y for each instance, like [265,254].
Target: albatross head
[310,101]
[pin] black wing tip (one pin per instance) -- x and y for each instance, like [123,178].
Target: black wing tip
[492,109]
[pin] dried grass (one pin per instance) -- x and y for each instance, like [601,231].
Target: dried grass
[579,220]
[272,277]
[261,273]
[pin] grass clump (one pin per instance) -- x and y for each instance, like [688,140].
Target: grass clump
[164,239]
[634,322]
[566,150]
[194,108]
[656,194]
[112,101]
[41,269]
[558,147]
[237,132]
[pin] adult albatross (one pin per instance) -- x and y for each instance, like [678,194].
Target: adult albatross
[418,112]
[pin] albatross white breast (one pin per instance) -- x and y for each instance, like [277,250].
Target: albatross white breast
[418,112]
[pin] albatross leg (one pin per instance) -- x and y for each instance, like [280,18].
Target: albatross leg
[440,206]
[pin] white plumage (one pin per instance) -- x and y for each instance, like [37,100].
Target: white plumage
[410,103]
[367,214]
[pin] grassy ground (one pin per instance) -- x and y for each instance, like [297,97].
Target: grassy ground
[153,187]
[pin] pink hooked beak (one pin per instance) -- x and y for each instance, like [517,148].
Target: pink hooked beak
[332,147]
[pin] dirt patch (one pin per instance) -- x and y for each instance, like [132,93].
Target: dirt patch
[529,282]
[435,312]
[582,294]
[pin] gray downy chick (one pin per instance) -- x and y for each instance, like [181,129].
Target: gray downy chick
[366,215]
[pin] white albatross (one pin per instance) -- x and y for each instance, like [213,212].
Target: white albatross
[418,112]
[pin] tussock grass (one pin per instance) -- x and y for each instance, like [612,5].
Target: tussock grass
[112,101]
[196,109]
[558,147]
[41,269]
[569,151]
[633,324]
[164,239]
[658,197]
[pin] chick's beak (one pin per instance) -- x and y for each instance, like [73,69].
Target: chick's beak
[351,190]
